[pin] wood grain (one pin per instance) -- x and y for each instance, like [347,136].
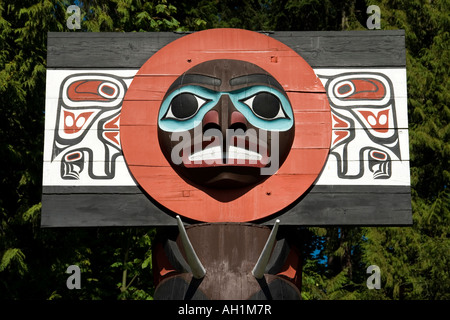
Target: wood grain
[322,205]
[374,48]
[77,206]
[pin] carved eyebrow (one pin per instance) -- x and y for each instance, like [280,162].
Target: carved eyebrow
[195,78]
[256,78]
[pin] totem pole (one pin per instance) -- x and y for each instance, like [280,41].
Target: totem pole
[227,141]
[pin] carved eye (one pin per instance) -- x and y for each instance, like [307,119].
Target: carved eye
[184,106]
[108,90]
[265,105]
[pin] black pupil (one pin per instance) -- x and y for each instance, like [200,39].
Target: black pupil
[266,105]
[108,90]
[184,105]
[73,156]
[344,89]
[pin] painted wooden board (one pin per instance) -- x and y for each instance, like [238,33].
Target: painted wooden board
[349,134]
[374,48]
[86,177]
[323,205]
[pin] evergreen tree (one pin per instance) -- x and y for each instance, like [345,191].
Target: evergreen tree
[116,262]
[415,260]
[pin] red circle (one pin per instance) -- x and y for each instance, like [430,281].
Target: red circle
[139,137]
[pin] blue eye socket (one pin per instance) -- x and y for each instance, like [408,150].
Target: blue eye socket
[265,105]
[184,106]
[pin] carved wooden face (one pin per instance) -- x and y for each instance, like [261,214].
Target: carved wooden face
[223,121]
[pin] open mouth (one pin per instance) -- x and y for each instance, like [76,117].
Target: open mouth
[214,156]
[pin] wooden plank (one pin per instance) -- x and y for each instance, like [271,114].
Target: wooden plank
[332,189]
[305,161]
[375,48]
[329,171]
[348,48]
[141,113]
[307,135]
[376,140]
[91,190]
[86,210]
[350,205]
[303,117]
[323,205]
[149,87]
[118,175]
[142,151]
[307,101]
[87,49]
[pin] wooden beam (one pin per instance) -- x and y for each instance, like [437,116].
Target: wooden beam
[375,48]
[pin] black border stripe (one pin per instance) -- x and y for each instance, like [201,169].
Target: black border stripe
[374,48]
[322,205]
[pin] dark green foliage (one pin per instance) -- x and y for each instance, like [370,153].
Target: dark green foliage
[33,261]
[116,262]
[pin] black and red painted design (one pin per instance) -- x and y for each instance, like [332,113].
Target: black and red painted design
[103,166]
[88,125]
[87,169]
[364,123]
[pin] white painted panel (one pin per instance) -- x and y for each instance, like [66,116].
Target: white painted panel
[363,138]
[397,77]
[52,176]
[400,174]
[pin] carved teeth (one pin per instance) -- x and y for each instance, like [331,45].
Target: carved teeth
[244,154]
[211,153]
[214,153]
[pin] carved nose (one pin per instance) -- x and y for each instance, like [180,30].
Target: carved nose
[238,121]
[211,120]
[224,116]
